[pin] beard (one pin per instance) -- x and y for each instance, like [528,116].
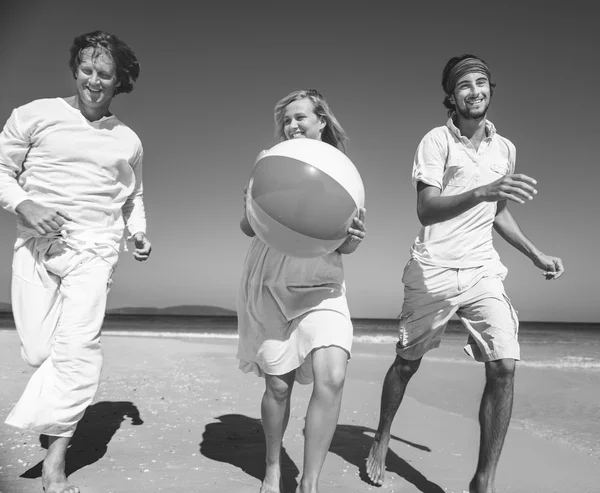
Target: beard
[473,114]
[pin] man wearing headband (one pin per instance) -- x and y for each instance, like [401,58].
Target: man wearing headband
[464,173]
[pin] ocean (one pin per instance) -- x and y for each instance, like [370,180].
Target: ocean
[557,387]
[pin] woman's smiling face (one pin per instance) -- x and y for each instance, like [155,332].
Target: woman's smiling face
[301,121]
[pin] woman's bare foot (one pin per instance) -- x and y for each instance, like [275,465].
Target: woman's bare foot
[302,488]
[273,482]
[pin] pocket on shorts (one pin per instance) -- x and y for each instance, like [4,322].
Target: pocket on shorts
[514,314]
[496,269]
[405,325]
[406,269]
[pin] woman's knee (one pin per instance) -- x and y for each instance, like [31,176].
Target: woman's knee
[278,388]
[329,368]
[332,377]
[333,381]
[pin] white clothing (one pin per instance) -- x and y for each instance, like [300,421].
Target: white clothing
[454,268]
[432,295]
[278,295]
[59,299]
[447,160]
[51,154]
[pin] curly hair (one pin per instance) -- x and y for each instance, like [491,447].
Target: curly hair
[333,133]
[126,63]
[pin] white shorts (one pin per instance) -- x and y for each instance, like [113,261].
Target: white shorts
[432,295]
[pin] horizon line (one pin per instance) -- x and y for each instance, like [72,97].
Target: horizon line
[233,315]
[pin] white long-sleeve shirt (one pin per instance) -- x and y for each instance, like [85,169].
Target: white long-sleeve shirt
[51,154]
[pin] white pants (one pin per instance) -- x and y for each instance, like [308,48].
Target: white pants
[58,300]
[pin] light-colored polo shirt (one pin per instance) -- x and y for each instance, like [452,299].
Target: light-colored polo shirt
[447,160]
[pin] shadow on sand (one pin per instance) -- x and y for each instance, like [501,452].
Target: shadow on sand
[95,430]
[352,444]
[239,440]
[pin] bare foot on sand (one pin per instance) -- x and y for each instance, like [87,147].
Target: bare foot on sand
[273,482]
[54,479]
[56,482]
[306,489]
[481,484]
[376,459]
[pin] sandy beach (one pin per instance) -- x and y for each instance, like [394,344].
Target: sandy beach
[177,415]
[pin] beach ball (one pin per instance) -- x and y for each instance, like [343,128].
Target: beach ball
[303,196]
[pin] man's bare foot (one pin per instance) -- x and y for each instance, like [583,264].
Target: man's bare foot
[54,479]
[273,482]
[376,459]
[56,482]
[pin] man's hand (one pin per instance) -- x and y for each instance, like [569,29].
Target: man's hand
[552,266]
[142,247]
[517,188]
[44,220]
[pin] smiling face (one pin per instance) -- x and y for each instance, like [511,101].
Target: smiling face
[472,96]
[96,79]
[300,121]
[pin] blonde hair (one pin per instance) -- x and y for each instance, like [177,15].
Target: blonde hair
[333,133]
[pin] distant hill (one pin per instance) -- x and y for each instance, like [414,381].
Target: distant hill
[173,310]
[197,310]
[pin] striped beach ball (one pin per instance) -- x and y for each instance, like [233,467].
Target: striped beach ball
[302,197]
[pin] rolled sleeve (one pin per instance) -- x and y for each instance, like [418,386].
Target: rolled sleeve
[430,159]
[512,159]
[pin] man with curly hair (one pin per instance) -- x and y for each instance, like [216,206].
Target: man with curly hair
[72,174]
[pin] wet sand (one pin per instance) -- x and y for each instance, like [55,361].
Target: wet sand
[178,416]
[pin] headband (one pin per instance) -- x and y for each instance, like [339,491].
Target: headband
[466,66]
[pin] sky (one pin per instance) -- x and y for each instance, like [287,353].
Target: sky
[211,75]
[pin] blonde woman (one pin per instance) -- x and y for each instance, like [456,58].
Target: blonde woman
[293,317]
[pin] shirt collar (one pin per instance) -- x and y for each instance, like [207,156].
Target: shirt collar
[490,129]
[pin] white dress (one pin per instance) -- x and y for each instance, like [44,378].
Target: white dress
[287,307]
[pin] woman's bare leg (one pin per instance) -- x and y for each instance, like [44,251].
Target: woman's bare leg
[329,369]
[275,412]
